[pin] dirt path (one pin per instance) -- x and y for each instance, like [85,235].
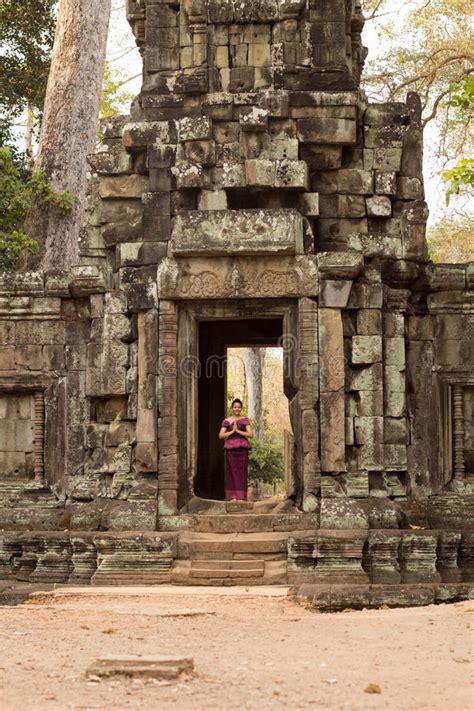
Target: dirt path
[249,653]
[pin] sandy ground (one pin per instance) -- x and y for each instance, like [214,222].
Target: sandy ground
[250,651]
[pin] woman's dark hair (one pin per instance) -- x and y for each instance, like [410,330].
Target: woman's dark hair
[237,400]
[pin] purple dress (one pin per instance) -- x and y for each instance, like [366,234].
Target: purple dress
[237,461]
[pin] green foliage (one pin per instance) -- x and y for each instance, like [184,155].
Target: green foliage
[18,190]
[42,192]
[462,95]
[461,176]
[114,98]
[15,200]
[266,462]
[27,31]
[12,246]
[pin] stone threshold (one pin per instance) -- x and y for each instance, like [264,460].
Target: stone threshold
[241,522]
[270,504]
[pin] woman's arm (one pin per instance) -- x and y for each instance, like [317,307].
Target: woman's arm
[248,433]
[223,433]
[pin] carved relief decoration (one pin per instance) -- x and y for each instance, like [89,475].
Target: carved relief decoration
[225,278]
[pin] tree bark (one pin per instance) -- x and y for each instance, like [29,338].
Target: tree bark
[30,127]
[69,126]
[254,361]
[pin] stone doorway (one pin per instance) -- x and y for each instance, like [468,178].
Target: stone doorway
[255,375]
[205,330]
[215,337]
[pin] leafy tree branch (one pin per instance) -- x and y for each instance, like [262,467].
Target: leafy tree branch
[18,189]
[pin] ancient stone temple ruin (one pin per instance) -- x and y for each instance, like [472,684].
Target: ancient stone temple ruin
[252,197]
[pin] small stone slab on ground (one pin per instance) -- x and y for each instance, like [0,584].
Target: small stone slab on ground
[159,667]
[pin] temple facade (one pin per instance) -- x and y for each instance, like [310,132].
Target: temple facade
[252,197]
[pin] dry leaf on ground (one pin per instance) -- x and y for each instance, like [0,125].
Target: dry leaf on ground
[373,689]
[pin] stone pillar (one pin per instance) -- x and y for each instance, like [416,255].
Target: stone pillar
[422,413]
[308,399]
[39,436]
[395,429]
[459,469]
[331,382]
[146,451]
[167,401]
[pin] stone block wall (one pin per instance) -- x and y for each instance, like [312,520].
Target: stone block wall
[203,46]
[253,175]
[70,399]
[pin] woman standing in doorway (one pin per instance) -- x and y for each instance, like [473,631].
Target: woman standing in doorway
[236,431]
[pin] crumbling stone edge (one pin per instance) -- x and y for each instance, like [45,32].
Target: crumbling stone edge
[335,598]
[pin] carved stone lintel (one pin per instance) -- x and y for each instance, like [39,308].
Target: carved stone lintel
[238,277]
[458,432]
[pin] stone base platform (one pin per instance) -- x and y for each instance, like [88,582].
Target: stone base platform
[332,568]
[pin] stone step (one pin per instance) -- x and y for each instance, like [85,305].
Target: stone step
[207,572]
[254,565]
[275,505]
[239,523]
[227,546]
[19,486]
[186,572]
[260,556]
[131,578]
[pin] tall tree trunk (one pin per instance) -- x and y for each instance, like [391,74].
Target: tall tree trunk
[254,362]
[69,127]
[30,127]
